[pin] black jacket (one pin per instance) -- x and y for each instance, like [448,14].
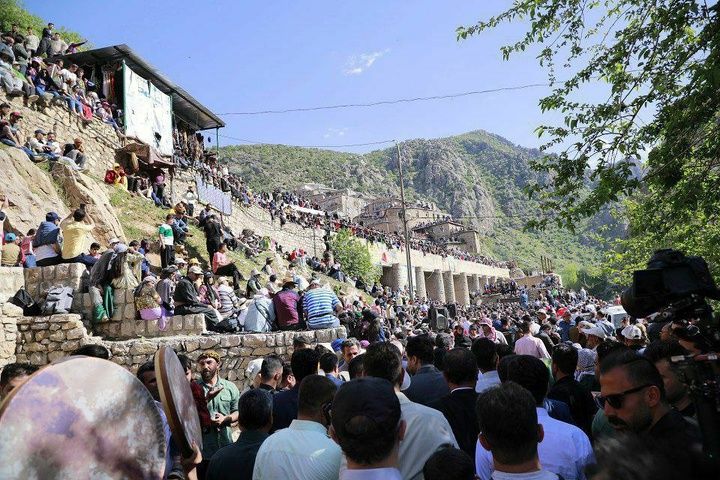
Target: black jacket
[581,403]
[236,460]
[459,410]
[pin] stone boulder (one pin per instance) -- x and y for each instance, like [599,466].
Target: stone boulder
[29,189]
[80,189]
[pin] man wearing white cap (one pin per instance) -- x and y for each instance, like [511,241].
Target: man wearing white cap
[634,338]
[595,336]
[187,302]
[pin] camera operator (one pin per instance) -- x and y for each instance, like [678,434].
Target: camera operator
[634,401]
[676,391]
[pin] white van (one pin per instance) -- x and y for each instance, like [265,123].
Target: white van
[615,315]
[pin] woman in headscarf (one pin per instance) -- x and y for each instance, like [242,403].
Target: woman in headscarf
[148,303]
[489,332]
[207,292]
[122,267]
[585,370]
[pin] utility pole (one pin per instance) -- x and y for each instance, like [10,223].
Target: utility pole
[404,222]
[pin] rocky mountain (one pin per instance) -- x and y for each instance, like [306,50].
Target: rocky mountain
[478,177]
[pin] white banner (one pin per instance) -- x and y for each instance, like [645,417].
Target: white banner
[208,193]
[148,112]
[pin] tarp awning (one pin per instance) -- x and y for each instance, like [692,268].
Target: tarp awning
[148,154]
[185,107]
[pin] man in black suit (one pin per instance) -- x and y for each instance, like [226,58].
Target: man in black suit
[567,389]
[458,406]
[428,383]
[237,460]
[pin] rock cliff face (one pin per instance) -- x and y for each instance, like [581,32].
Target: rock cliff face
[33,191]
[30,190]
[477,177]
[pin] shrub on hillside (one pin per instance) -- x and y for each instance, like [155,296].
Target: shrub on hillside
[354,257]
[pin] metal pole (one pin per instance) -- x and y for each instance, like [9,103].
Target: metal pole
[217,142]
[404,222]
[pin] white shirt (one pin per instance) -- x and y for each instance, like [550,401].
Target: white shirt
[539,475]
[529,345]
[426,431]
[565,451]
[486,380]
[302,450]
[371,474]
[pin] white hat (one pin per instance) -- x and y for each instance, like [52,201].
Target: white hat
[195,269]
[594,330]
[632,332]
[114,240]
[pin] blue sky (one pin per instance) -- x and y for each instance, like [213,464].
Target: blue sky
[239,56]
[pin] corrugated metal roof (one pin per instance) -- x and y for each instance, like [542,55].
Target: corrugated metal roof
[185,107]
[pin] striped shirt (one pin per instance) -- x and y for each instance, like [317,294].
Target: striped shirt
[227,300]
[319,306]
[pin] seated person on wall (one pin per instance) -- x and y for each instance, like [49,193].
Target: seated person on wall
[222,265]
[187,301]
[47,241]
[40,148]
[124,266]
[11,253]
[148,303]
[75,229]
[75,152]
[320,306]
[116,177]
[11,134]
[261,313]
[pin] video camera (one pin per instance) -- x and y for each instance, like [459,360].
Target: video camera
[676,286]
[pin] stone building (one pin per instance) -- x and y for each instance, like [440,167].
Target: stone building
[450,232]
[344,202]
[385,214]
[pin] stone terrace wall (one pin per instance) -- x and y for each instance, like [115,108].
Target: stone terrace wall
[38,280]
[128,328]
[8,337]
[40,340]
[11,279]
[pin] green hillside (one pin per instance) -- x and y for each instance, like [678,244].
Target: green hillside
[478,177]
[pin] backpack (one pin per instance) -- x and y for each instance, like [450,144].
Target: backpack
[58,300]
[25,301]
[228,325]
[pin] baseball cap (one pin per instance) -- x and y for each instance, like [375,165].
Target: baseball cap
[114,240]
[180,261]
[51,217]
[632,332]
[594,330]
[364,408]
[337,344]
[40,130]
[195,269]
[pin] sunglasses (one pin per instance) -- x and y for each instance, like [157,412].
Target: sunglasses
[615,400]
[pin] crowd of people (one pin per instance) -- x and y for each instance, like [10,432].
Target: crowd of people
[31,67]
[552,391]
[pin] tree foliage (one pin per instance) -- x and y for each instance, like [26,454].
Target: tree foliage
[660,64]
[354,256]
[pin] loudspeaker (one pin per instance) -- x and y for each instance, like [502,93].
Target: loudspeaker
[441,323]
[451,310]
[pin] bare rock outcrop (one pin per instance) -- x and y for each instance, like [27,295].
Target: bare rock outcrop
[80,189]
[29,189]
